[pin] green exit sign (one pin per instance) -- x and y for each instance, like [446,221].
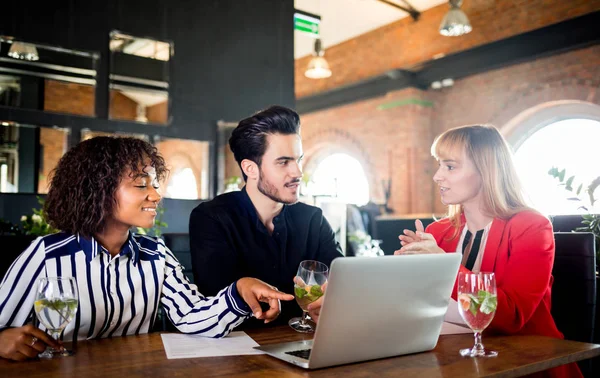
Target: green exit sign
[307,23]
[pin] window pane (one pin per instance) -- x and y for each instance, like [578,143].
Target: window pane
[570,144]
[341,176]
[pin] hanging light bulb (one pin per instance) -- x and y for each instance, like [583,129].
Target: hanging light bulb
[455,22]
[318,68]
[25,51]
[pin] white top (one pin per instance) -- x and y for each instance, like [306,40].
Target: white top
[118,295]
[477,265]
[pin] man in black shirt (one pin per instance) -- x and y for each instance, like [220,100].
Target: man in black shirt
[261,231]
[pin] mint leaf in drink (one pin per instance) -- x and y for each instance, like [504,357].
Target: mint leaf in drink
[300,292]
[473,307]
[58,304]
[316,291]
[489,304]
[474,299]
[482,295]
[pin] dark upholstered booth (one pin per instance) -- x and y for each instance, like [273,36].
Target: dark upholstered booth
[179,244]
[574,288]
[11,247]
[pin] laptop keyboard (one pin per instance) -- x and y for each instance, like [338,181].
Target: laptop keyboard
[304,353]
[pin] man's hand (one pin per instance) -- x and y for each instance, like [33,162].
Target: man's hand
[314,308]
[25,342]
[253,291]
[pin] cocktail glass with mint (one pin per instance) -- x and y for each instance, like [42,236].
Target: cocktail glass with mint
[477,302]
[308,287]
[55,306]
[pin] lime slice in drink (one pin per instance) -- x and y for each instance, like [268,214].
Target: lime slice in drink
[316,291]
[40,304]
[300,292]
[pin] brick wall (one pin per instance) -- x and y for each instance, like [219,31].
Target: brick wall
[388,135]
[79,99]
[121,106]
[62,97]
[54,143]
[405,43]
[391,135]
[158,113]
[231,168]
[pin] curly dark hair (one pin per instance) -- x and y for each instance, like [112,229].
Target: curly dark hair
[83,184]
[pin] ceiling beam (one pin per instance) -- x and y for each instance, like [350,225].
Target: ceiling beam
[573,34]
[355,92]
[565,36]
[407,7]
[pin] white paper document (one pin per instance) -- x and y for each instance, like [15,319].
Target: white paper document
[193,346]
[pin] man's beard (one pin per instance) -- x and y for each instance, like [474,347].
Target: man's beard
[269,190]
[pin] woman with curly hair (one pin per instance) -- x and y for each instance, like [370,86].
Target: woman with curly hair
[100,189]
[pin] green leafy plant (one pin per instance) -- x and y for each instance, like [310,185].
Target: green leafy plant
[36,223]
[590,222]
[232,184]
[484,302]
[159,224]
[359,237]
[364,244]
[233,180]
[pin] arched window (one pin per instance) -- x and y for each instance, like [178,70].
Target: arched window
[182,185]
[342,176]
[571,144]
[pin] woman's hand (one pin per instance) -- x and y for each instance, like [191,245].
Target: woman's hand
[25,342]
[411,236]
[417,242]
[253,291]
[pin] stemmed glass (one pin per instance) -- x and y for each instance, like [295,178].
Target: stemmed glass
[477,302]
[55,306]
[308,287]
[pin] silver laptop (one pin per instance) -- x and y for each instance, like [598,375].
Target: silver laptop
[377,307]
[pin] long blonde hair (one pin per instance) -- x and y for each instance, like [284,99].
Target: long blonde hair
[484,145]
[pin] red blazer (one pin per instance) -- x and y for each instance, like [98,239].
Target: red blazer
[520,251]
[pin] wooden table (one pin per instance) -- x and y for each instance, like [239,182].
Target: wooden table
[144,356]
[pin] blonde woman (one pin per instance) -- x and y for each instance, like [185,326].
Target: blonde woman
[490,224]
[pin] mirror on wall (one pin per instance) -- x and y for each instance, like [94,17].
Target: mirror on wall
[229,175]
[188,162]
[88,134]
[28,154]
[49,78]
[139,79]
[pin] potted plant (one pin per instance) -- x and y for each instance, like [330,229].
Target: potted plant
[590,222]
[232,184]
[16,238]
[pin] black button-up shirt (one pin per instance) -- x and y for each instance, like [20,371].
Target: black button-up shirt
[228,241]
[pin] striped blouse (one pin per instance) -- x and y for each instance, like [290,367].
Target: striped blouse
[118,295]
